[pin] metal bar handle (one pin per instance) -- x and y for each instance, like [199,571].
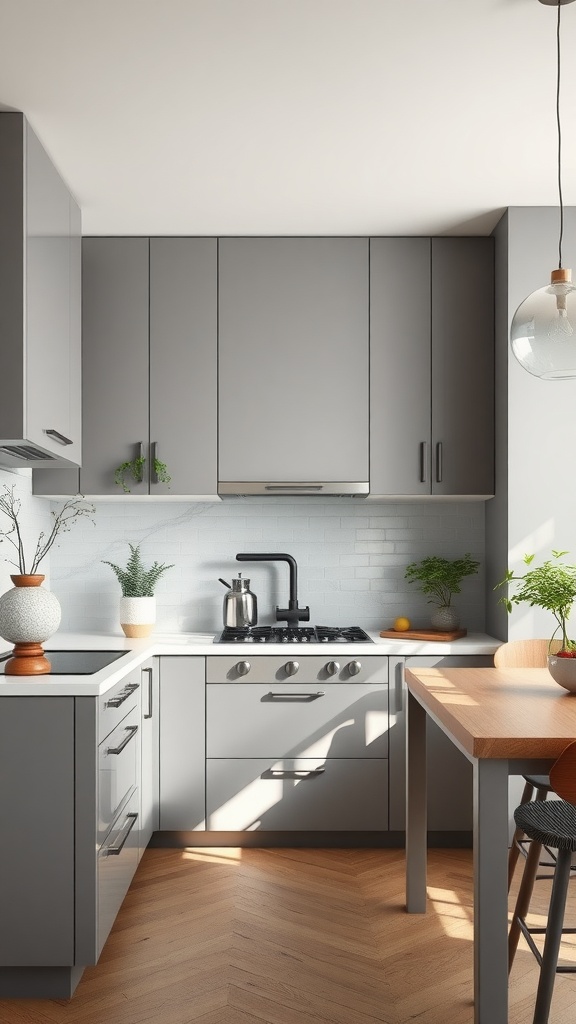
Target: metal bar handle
[59,437]
[297,696]
[131,730]
[116,848]
[295,773]
[423,462]
[293,487]
[439,462]
[115,702]
[150,698]
[153,473]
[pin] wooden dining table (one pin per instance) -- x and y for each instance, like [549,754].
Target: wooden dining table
[506,722]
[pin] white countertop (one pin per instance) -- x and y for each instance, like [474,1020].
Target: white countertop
[201,644]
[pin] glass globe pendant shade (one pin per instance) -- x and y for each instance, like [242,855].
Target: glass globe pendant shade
[543,329]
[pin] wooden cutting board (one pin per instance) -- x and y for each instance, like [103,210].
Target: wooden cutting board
[423,634]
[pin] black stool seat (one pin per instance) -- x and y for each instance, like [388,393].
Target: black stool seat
[550,822]
[539,781]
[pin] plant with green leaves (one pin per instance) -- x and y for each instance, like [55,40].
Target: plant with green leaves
[551,586]
[135,579]
[441,577]
[134,468]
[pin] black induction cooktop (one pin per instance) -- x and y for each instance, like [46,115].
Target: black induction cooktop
[73,663]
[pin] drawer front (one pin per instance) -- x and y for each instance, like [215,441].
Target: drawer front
[311,669]
[292,720]
[117,862]
[114,704]
[299,794]
[118,770]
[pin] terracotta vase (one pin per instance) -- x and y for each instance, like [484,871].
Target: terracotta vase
[29,615]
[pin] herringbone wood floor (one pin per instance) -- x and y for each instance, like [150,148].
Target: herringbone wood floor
[290,937]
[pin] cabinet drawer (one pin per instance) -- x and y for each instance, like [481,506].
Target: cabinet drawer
[297,794]
[118,763]
[117,862]
[115,703]
[292,720]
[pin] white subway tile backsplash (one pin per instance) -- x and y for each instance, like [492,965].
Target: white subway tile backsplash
[351,559]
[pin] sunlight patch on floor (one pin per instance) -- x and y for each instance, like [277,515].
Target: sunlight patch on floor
[213,855]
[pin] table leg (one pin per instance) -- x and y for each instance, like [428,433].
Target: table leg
[416,820]
[490,891]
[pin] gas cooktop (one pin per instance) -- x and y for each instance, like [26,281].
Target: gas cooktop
[294,635]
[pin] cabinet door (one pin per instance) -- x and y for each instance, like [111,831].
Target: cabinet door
[463,365]
[52,338]
[449,772]
[182,743]
[400,366]
[115,360]
[293,359]
[149,780]
[183,361]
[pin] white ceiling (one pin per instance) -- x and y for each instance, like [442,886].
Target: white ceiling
[208,117]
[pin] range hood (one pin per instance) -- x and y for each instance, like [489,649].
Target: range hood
[302,489]
[39,305]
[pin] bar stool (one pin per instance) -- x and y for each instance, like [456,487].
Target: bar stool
[550,823]
[526,654]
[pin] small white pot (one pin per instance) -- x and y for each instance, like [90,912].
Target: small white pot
[137,615]
[563,671]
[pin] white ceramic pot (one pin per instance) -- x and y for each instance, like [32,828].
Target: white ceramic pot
[445,619]
[137,615]
[563,671]
[28,612]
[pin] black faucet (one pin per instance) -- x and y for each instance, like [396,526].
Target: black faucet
[293,614]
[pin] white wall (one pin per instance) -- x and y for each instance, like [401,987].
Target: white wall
[351,557]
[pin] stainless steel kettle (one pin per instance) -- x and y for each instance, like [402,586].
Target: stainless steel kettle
[240,605]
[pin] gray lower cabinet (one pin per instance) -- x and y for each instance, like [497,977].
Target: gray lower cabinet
[432,366]
[182,743]
[449,773]
[149,369]
[293,360]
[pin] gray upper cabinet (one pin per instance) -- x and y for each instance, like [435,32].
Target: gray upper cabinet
[293,363]
[40,421]
[149,368]
[432,366]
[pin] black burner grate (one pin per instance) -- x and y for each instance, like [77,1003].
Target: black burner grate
[293,635]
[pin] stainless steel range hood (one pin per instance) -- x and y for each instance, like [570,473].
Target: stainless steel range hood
[295,488]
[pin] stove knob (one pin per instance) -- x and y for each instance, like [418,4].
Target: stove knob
[332,668]
[291,668]
[354,667]
[243,668]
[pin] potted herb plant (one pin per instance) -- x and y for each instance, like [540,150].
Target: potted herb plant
[138,603]
[441,578]
[551,586]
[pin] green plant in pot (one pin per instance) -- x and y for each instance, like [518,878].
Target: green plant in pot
[138,582]
[441,578]
[551,586]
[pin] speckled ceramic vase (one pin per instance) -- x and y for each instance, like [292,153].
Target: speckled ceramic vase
[445,619]
[137,615]
[29,615]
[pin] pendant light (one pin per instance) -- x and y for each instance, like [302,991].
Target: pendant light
[543,329]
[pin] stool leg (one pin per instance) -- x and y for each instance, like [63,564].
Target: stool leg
[553,937]
[523,898]
[514,852]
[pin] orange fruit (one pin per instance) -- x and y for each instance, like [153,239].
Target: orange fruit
[401,624]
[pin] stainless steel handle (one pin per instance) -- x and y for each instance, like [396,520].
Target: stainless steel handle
[291,668]
[59,437]
[115,702]
[131,730]
[296,696]
[293,487]
[115,848]
[153,473]
[439,462]
[423,462]
[150,672]
[243,668]
[332,667]
[354,667]
[294,773]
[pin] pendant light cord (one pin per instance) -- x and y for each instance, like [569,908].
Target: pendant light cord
[559,139]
